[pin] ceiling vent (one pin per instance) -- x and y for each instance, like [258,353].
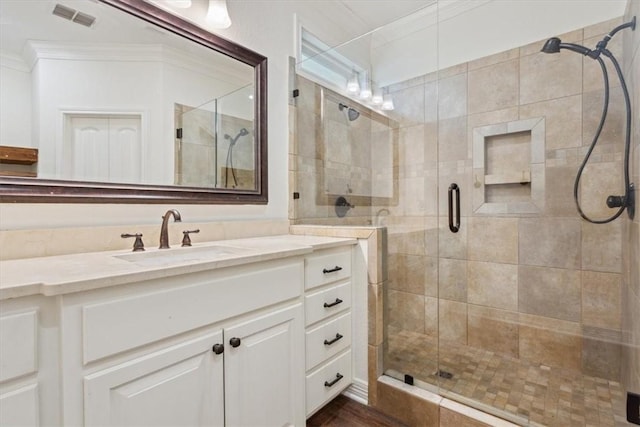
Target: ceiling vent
[74,15]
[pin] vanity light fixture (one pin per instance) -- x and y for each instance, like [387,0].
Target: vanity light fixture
[365,89]
[387,102]
[217,14]
[353,86]
[377,98]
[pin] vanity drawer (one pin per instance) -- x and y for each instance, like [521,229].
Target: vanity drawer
[327,340]
[18,344]
[324,303]
[192,301]
[327,381]
[327,267]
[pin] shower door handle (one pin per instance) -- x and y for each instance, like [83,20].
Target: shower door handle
[454,227]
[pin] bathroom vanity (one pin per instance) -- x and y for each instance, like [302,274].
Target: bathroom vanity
[238,332]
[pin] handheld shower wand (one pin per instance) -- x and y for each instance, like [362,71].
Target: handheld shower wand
[626,201]
[229,163]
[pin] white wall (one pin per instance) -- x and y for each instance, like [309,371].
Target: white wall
[15,103]
[268,28]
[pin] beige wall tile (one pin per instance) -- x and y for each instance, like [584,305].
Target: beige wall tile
[550,242]
[613,129]
[549,292]
[602,247]
[452,279]
[598,181]
[601,353]
[493,330]
[563,120]
[493,239]
[406,407]
[452,137]
[452,97]
[544,77]
[601,302]
[405,310]
[449,418]
[375,316]
[452,321]
[452,245]
[494,87]
[551,346]
[559,191]
[431,316]
[493,285]
[507,55]
[408,273]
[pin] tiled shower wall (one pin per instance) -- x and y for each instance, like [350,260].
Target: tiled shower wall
[631,229]
[544,287]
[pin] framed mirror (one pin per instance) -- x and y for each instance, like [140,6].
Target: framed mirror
[119,101]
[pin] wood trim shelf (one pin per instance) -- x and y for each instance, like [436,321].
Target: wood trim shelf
[18,156]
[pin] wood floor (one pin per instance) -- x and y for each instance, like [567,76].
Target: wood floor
[345,412]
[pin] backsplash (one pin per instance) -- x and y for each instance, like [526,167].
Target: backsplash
[17,244]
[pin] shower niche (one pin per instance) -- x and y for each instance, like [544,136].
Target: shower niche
[508,167]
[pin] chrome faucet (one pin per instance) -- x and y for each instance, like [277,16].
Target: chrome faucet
[164,229]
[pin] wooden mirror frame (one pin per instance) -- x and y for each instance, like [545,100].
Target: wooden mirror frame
[34,190]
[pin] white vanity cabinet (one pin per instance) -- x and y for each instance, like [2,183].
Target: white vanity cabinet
[328,296]
[28,386]
[215,348]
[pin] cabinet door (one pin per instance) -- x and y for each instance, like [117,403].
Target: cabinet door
[264,374]
[181,385]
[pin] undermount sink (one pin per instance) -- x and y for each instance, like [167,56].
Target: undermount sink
[182,255]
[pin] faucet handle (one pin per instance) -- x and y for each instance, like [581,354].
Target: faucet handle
[186,240]
[137,245]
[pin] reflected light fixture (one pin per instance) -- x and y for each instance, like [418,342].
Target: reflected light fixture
[217,14]
[387,102]
[376,98]
[180,4]
[365,89]
[353,86]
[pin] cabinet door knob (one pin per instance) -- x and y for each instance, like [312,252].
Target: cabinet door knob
[235,342]
[218,348]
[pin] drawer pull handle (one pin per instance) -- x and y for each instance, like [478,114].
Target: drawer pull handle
[235,342]
[336,302]
[332,270]
[337,338]
[332,383]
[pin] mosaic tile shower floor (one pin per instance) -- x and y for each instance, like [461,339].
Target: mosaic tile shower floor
[519,390]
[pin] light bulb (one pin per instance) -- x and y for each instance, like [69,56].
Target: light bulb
[217,15]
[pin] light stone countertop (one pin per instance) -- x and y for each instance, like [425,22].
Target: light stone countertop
[57,275]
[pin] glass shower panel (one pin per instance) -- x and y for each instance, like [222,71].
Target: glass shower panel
[215,146]
[529,294]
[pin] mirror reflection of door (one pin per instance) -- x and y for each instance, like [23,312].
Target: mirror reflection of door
[103,148]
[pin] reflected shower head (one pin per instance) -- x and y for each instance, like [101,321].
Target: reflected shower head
[243,132]
[554,44]
[551,46]
[352,113]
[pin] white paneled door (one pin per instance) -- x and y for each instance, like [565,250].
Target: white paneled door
[104,148]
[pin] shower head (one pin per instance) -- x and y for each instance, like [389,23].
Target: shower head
[352,113]
[554,44]
[243,132]
[551,46]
